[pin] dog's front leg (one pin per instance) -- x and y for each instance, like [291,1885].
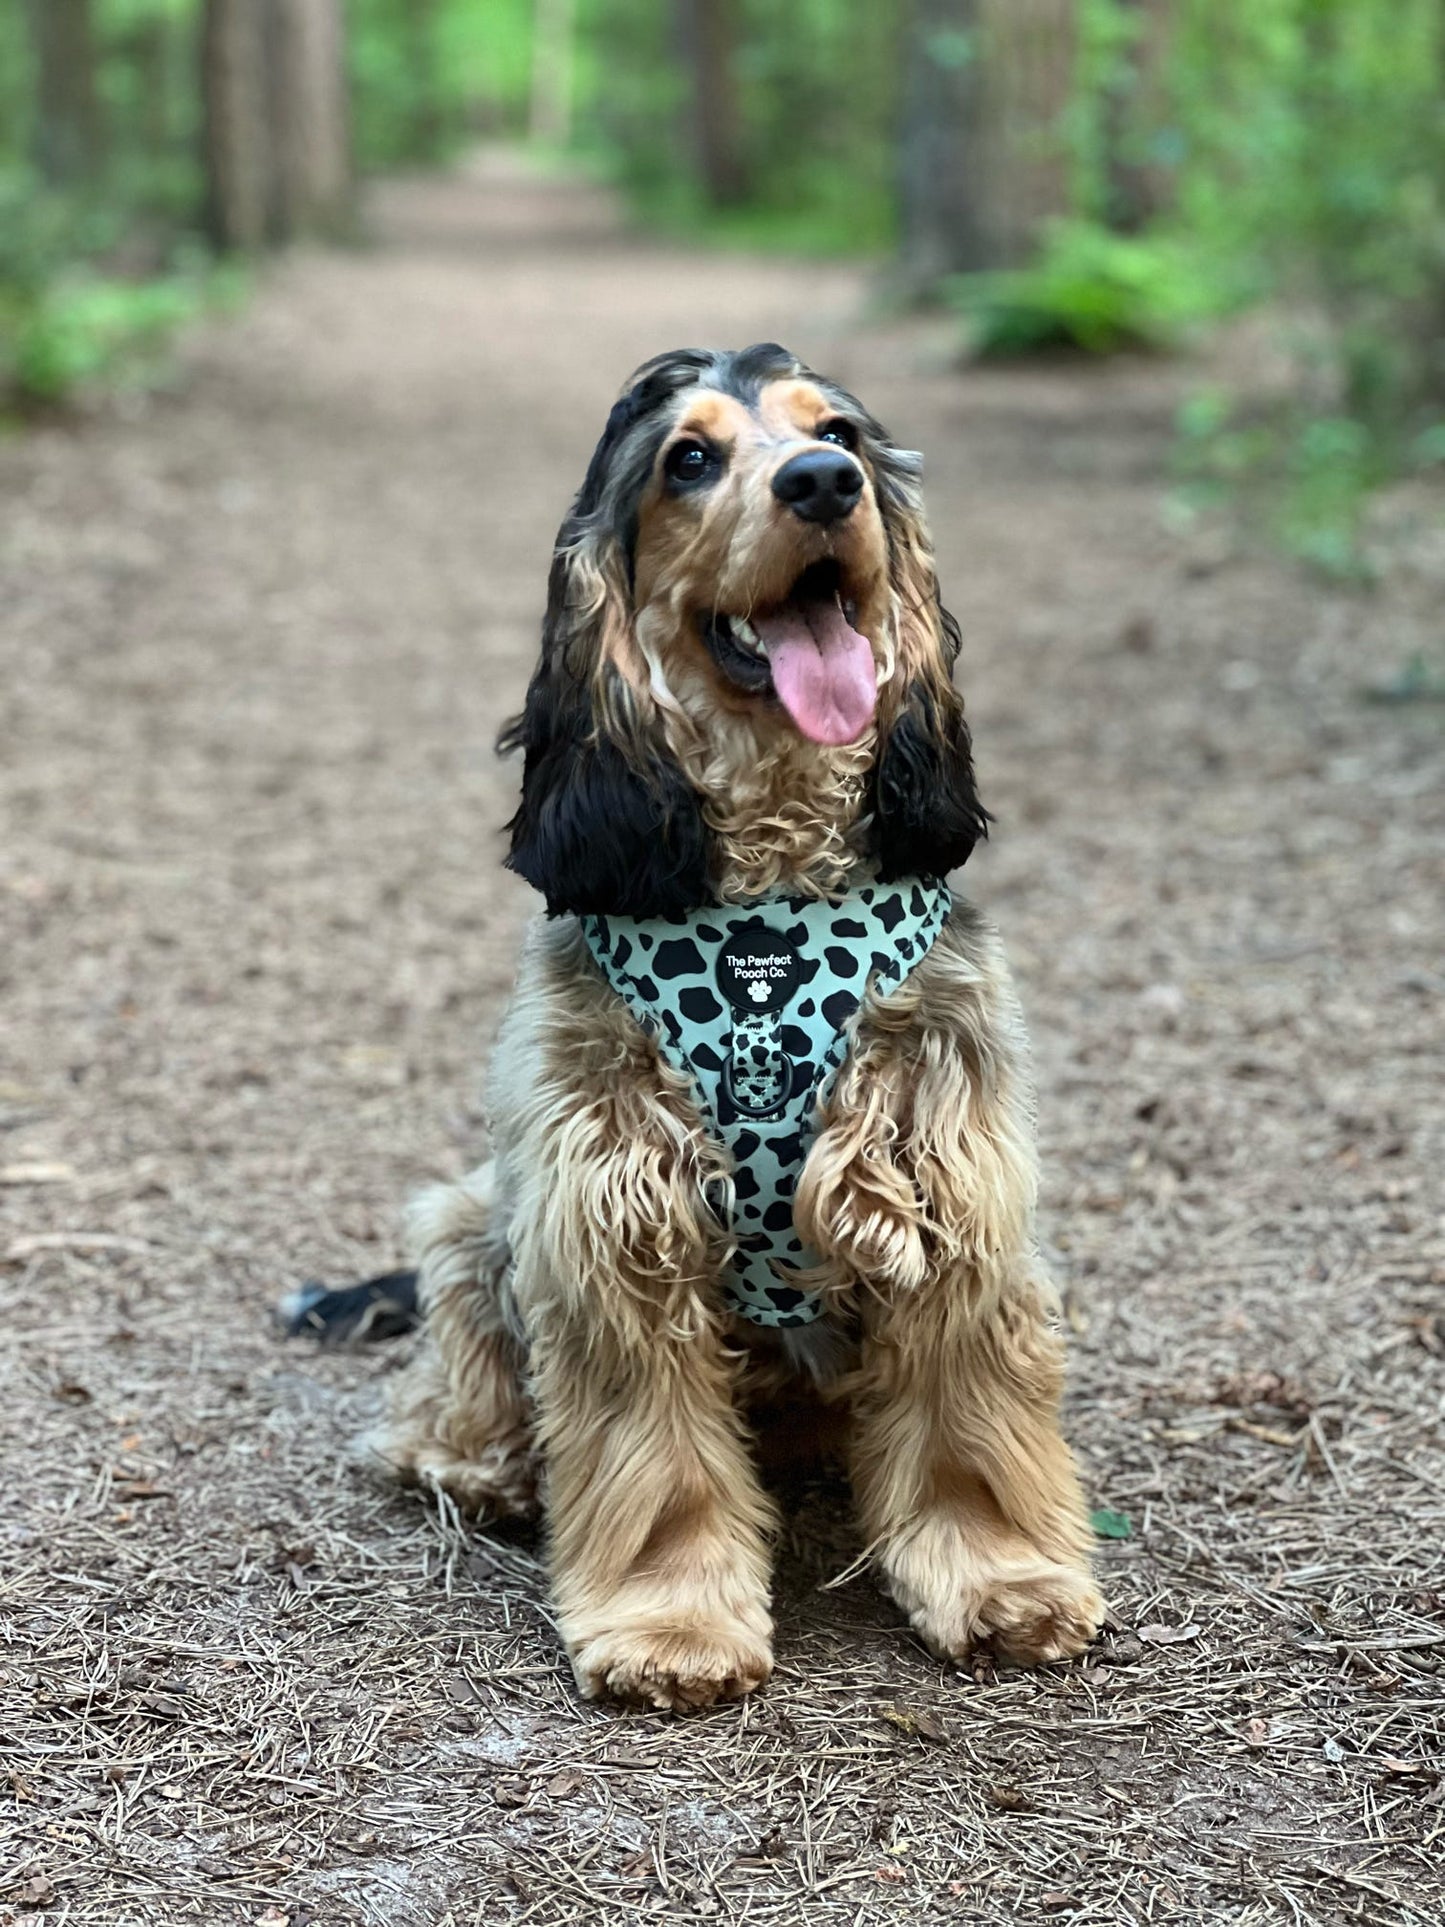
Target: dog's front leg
[922,1184]
[964,1485]
[659,1528]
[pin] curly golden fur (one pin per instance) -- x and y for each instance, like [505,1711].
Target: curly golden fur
[579,1342]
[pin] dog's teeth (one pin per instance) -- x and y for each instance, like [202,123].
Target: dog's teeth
[746,634]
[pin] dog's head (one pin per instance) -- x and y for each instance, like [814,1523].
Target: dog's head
[746,564]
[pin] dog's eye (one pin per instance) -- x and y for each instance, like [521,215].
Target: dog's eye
[841,432]
[690,462]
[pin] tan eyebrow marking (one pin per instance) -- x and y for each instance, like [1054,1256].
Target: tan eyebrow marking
[791,408]
[718,418]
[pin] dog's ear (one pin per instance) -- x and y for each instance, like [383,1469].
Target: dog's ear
[926,815]
[607,823]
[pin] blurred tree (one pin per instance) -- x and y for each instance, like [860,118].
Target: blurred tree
[707,38]
[238,132]
[67,123]
[553,31]
[278,161]
[313,177]
[942,152]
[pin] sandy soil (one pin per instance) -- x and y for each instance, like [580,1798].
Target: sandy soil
[258,633]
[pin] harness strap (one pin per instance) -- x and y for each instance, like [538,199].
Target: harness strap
[755,1004]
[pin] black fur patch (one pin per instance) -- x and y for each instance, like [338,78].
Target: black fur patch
[926,813]
[381,1308]
[595,832]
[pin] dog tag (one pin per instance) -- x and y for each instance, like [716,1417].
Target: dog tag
[758,970]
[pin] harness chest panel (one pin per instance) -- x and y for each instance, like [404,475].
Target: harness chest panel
[753,1002]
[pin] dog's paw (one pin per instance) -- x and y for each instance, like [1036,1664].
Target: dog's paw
[497,1485]
[1028,1614]
[676,1667]
[497,1481]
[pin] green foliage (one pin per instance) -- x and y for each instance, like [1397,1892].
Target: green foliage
[817,85]
[1295,151]
[1315,155]
[427,75]
[1089,291]
[1110,1525]
[1305,477]
[75,334]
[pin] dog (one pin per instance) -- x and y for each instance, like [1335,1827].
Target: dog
[746,774]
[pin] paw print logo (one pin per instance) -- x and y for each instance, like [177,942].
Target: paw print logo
[758,992]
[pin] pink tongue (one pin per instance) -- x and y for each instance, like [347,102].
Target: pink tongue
[822,670]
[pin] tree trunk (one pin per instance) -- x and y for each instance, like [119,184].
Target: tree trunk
[234,92]
[942,149]
[1137,190]
[310,108]
[551,112]
[277,135]
[707,32]
[68,135]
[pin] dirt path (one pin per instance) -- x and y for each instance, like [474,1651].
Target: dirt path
[257,637]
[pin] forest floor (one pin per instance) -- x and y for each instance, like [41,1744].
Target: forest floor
[257,635]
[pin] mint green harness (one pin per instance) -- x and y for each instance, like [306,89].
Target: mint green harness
[753,1003]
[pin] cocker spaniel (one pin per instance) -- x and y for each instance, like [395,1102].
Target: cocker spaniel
[760,1106]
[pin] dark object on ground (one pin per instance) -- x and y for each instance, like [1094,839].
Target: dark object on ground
[382,1307]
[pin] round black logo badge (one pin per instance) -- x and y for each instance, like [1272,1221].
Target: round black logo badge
[758,970]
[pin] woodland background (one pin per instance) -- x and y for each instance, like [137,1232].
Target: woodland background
[1093,175]
[1158,290]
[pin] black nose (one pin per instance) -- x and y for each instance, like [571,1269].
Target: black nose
[821,485]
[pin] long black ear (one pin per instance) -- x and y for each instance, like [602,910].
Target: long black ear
[601,828]
[926,812]
[608,823]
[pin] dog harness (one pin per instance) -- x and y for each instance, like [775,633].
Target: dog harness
[753,1003]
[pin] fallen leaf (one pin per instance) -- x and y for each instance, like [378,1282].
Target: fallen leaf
[561,1784]
[1110,1525]
[889,1873]
[914,1720]
[1008,1799]
[38,1892]
[1156,1635]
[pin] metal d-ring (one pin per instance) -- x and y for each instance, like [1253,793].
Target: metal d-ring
[749,1110]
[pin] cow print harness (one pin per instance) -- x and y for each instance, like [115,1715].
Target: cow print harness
[755,1003]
